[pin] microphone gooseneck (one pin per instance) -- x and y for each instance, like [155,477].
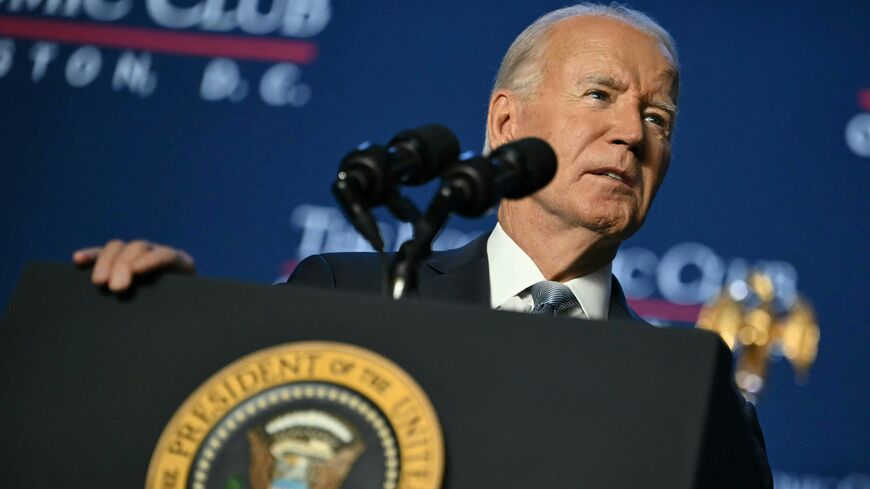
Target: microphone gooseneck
[470,188]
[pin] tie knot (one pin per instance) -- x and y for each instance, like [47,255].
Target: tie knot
[552,298]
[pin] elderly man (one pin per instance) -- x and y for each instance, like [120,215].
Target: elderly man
[600,84]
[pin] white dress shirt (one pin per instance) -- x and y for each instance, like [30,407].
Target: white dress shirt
[512,272]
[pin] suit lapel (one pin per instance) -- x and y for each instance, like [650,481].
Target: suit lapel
[460,275]
[619,309]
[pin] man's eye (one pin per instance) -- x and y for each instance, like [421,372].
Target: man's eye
[656,119]
[598,95]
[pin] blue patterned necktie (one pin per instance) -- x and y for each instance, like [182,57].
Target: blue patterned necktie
[552,298]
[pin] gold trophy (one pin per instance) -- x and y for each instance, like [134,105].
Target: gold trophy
[749,325]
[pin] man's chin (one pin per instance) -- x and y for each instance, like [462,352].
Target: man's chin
[617,226]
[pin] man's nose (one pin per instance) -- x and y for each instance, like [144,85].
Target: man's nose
[627,129]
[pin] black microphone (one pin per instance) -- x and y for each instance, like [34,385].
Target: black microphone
[368,176]
[512,171]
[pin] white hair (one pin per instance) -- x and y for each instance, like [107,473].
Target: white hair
[520,70]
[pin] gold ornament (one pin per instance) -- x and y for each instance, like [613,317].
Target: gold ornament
[745,317]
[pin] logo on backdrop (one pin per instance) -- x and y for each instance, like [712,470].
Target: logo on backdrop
[92,43]
[669,287]
[688,275]
[310,415]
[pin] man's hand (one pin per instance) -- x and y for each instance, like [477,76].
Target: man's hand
[117,262]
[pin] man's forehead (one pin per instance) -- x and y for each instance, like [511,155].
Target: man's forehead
[611,51]
[596,32]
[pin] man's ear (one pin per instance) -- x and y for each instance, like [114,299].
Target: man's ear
[501,121]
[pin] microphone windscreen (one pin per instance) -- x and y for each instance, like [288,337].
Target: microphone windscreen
[533,159]
[433,146]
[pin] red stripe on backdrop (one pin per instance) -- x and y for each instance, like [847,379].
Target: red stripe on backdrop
[145,39]
[661,309]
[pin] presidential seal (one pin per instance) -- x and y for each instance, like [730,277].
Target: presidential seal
[310,415]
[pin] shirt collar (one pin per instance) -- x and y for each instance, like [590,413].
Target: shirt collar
[511,271]
[593,292]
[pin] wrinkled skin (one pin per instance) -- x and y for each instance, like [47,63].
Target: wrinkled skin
[606,104]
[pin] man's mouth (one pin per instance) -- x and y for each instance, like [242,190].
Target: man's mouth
[615,175]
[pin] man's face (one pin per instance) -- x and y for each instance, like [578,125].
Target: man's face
[605,105]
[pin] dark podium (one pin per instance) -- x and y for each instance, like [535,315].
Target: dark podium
[90,380]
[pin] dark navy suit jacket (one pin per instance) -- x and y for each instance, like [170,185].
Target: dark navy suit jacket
[462,275]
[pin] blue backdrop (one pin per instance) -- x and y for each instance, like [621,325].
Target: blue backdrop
[120,118]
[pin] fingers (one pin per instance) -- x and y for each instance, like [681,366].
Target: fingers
[103,266]
[121,275]
[163,257]
[117,263]
[86,256]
